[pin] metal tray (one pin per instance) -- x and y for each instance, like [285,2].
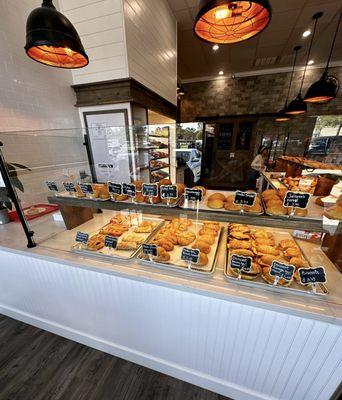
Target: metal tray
[259,282]
[179,265]
[109,254]
[180,199]
[203,205]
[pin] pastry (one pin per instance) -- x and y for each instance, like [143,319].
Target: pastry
[204,191]
[274,202]
[267,260]
[185,238]
[144,227]
[139,198]
[256,208]
[292,252]
[268,192]
[79,192]
[215,203]
[202,245]
[163,256]
[277,210]
[267,250]
[240,244]
[286,243]
[232,207]
[239,227]
[299,262]
[270,279]
[217,196]
[211,225]
[132,238]
[242,252]
[96,242]
[125,245]
[251,274]
[167,245]
[239,235]
[264,242]
[181,188]
[207,231]
[262,234]
[203,260]
[164,181]
[301,212]
[120,197]
[210,239]
[138,185]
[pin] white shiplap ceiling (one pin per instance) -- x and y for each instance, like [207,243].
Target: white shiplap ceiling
[272,49]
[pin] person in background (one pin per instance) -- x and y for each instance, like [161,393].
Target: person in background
[258,165]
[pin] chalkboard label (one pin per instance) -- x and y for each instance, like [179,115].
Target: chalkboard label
[241,263]
[168,191]
[150,189]
[52,185]
[193,194]
[129,189]
[283,271]
[150,249]
[244,198]
[190,255]
[312,275]
[86,188]
[82,237]
[111,242]
[115,188]
[69,187]
[296,200]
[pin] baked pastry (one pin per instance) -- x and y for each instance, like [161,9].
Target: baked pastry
[274,202]
[256,208]
[262,234]
[207,231]
[299,262]
[267,259]
[277,210]
[138,185]
[292,252]
[125,245]
[215,203]
[268,192]
[212,225]
[202,260]
[132,237]
[139,198]
[210,239]
[163,256]
[239,227]
[120,197]
[167,245]
[267,250]
[96,242]
[164,181]
[185,238]
[251,274]
[79,192]
[217,196]
[270,279]
[100,191]
[286,243]
[144,227]
[301,212]
[202,245]
[232,207]
[242,252]
[239,235]
[264,242]
[204,191]
[240,244]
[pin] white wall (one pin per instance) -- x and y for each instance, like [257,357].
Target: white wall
[33,96]
[151,34]
[101,28]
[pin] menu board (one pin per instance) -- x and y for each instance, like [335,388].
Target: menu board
[225,136]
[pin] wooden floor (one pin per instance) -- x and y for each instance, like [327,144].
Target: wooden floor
[38,365]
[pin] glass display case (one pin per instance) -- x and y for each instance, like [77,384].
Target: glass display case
[95,193]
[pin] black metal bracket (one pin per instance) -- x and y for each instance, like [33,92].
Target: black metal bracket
[12,194]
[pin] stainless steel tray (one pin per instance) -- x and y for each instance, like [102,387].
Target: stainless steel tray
[203,205]
[259,282]
[181,266]
[180,199]
[109,254]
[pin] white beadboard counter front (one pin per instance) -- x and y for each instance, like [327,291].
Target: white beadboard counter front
[242,342]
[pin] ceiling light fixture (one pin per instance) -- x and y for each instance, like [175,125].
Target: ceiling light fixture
[216,47]
[51,39]
[327,87]
[228,21]
[311,62]
[306,33]
[221,73]
[282,114]
[298,106]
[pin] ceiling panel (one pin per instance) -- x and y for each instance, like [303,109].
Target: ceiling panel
[290,19]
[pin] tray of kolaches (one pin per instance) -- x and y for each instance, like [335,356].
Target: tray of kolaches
[180,233]
[265,246]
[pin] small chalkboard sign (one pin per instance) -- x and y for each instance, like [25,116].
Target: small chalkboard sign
[168,191]
[190,255]
[69,187]
[296,200]
[111,242]
[150,249]
[312,275]
[129,189]
[282,271]
[82,237]
[150,189]
[193,194]
[244,198]
[114,188]
[86,188]
[52,186]
[241,263]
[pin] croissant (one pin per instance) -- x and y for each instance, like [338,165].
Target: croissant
[242,252]
[267,250]
[240,244]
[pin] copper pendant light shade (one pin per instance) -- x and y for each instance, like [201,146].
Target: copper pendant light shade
[51,39]
[281,116]
[297,106]
[227,21]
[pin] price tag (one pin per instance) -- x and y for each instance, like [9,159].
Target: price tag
[69,187]
[52,186]
[296,200]
[86,188]
[150,189]
[282,271]
[111,242]
[312,275]
[193,194]
[150,249]
[241,263]
[244,198]
[82,237]
[114,188]
[190,255]
[168,192]
[129,189]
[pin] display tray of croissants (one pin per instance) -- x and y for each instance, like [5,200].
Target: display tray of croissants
[131,230]
[180,233]
[264,246]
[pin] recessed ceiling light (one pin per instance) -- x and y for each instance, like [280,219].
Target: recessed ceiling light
[306,33]
[216,47]
[311,62]
[221,73]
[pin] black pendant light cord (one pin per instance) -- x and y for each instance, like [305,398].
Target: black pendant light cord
[333,43]
[296,49]
[316,17]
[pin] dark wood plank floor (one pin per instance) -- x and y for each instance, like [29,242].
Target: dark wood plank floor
[38,365]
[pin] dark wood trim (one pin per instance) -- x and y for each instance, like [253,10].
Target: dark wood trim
[123,91]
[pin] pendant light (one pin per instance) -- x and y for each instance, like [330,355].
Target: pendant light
[51,39]
[298,106]
[282,114]
[327,87]
[227,21]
